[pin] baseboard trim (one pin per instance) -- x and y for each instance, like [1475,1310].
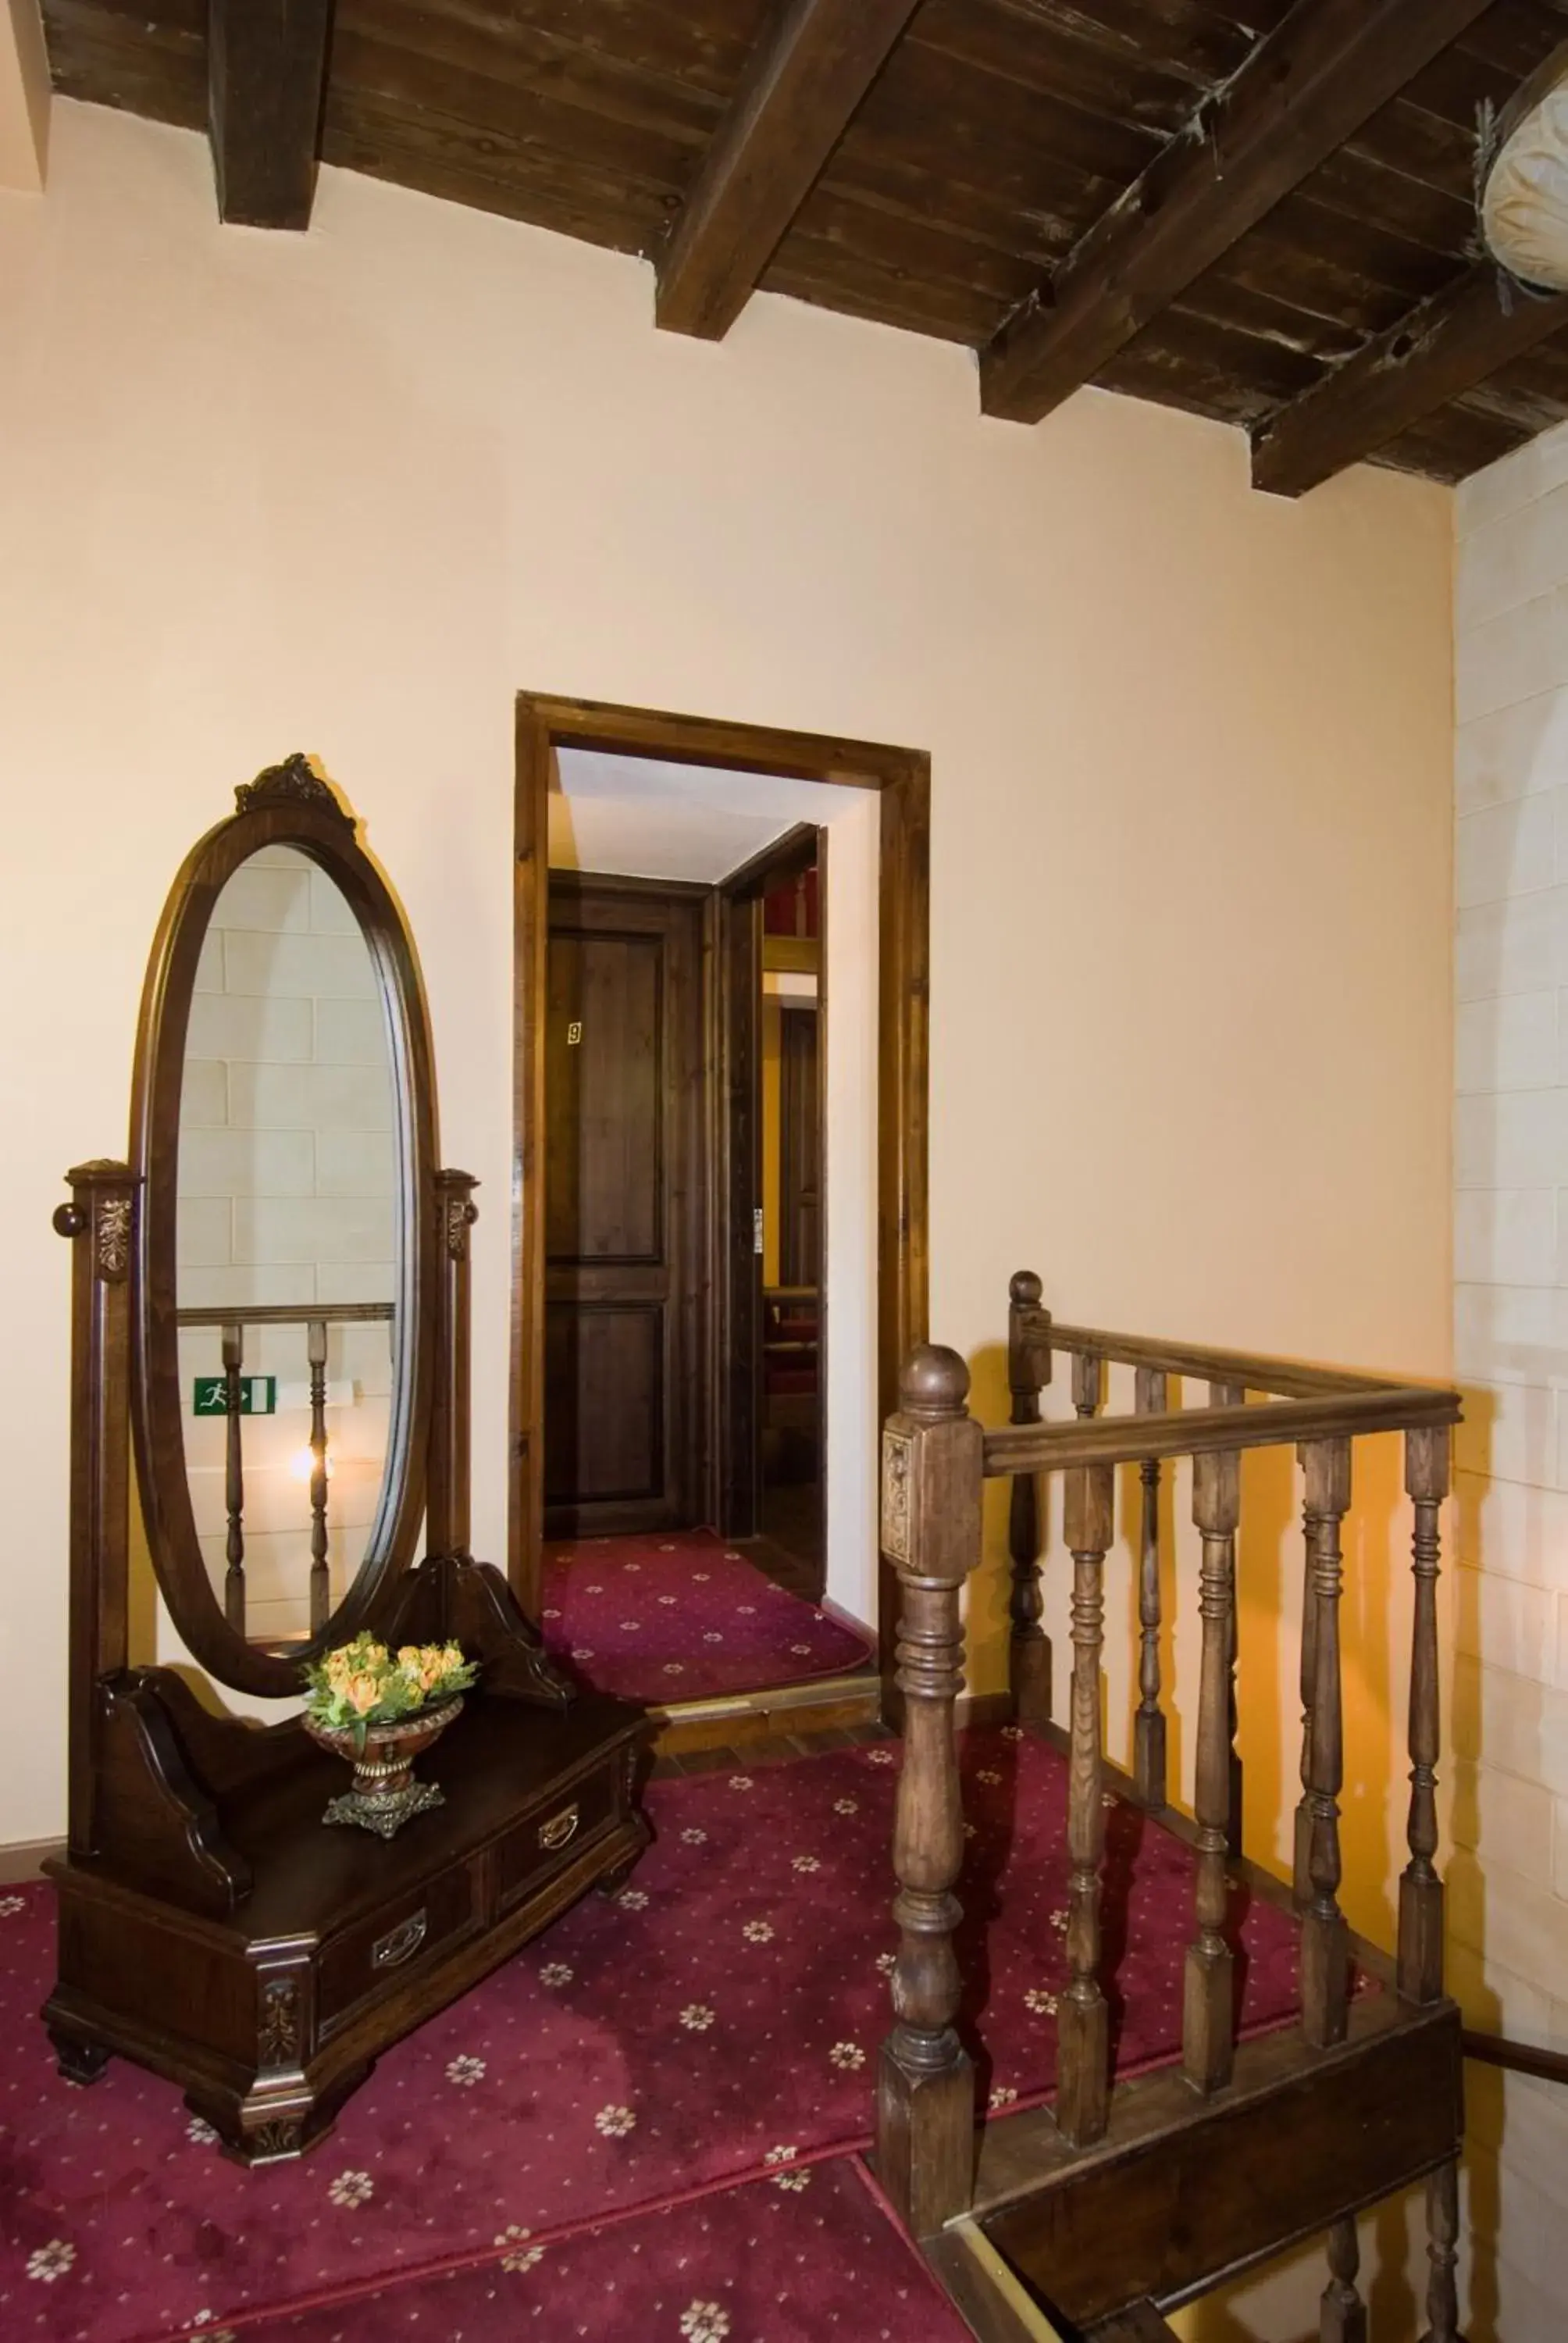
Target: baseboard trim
[25,1859]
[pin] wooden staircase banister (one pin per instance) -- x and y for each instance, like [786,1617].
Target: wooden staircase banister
[1276,1423]
[1539,2059]
[1333,2075]
[1254,1370]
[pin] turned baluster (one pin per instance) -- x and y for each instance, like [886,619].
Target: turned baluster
[1149,1726]
[1325,1956]
[1086,1382]
[1083,2093]
[234,1477]
[1208,2036]
[1443,2256]
[1341,2315]
[1232,1396]
[1028,1369]
[1302,1870]
[1420,1888]
[932,1472]
[320,1584]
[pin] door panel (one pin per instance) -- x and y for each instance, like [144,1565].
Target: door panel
[603,1190]
[624,1208]
[596,1352]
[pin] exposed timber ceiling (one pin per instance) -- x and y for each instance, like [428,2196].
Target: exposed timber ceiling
[1256,210]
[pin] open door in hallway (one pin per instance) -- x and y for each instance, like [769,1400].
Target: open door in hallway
[625,1217]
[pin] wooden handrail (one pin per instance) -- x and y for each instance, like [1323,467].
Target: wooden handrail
[1198,1432]
[1254,1369]
[1518,2058]
[290,1313]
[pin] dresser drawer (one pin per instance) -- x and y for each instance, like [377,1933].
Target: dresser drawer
[552,1835]
[401,1937]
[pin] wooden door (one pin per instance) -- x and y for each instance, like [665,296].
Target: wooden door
[624,1208]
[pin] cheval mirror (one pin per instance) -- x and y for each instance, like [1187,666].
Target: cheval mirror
[270,1314]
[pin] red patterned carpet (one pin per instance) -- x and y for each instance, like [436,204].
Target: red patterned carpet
[718,2022]
[683,1618]
[808,2255]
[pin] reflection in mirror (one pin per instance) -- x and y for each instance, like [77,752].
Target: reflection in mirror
[286,1246]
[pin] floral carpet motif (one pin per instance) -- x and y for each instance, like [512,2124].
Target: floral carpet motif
[803,2256]
[719,2021]
[683,1618]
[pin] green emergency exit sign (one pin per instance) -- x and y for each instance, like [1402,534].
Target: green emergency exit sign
[257,1395]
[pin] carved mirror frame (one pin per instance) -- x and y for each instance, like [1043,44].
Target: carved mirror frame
[288,805]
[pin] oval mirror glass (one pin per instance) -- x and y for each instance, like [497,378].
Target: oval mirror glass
[288,1238]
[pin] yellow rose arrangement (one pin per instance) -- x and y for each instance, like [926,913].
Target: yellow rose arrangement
[363,1683]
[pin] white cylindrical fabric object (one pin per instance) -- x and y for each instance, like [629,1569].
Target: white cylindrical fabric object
[1524,206]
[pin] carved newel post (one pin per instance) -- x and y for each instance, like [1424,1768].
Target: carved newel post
[932,1472]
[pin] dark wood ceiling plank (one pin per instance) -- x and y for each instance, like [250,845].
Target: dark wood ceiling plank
[545,113]
[1363,186]
[1367,249]
[828,277]
[921,252]
[1515,37]
[156,67]
[786,118]
[1454,83]
[1203,43]
[1328,66]
[1209,369]
[1450,446]
[1318,284]
[1037,50]
[514,54]
[266,82]
[1433,356]
[1406,137]
[707,46]
[938,101]
[1264,315]
[869,174]
[417,148]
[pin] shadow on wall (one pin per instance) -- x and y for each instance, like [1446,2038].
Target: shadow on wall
[1376,1625]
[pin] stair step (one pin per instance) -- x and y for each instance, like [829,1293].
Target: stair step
[830,1704]
[1139,2323]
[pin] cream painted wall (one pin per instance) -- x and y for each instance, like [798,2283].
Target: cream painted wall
[348,492]
[24,96]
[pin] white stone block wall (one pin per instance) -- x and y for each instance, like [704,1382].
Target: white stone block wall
[286,1172]
[1509,1875]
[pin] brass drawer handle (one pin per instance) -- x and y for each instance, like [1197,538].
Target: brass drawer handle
[399,1943]
[560,1829]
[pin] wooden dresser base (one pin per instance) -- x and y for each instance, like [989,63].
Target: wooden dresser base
[269,2014]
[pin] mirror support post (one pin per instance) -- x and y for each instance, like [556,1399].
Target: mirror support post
[99,1219]
[446,1504]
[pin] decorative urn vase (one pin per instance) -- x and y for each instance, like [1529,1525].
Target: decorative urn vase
[385,1795]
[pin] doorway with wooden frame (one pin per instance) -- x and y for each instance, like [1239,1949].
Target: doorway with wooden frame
[678,1503]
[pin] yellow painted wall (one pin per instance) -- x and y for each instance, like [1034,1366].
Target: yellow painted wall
[1190,935]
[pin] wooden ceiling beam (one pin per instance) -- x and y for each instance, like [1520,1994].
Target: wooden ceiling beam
[1307,86]
[1444,347]
[791,109]
[266,79]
